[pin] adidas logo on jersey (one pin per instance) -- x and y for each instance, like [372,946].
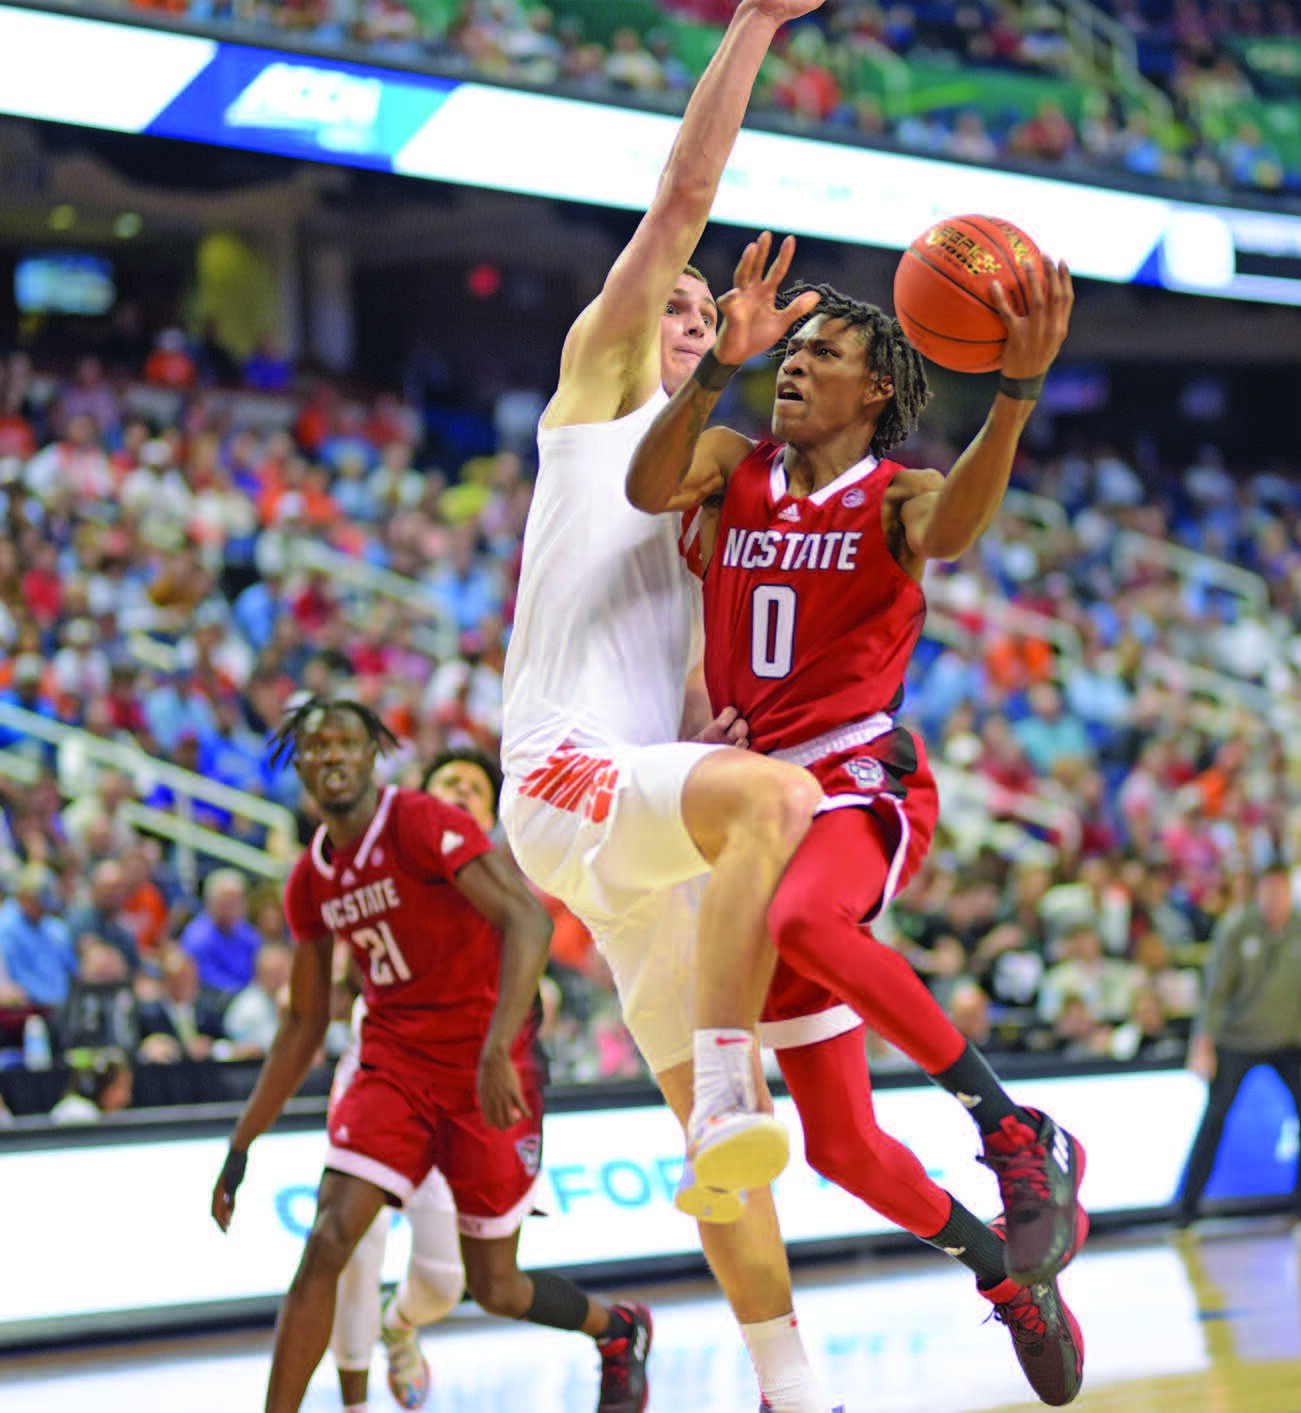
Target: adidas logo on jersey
[450,840]
[792,512]
[348,879]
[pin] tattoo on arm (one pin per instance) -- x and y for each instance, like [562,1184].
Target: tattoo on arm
[699,409]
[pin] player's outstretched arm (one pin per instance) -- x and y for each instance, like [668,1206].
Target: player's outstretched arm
[681,463]
[947,524]
[619,330]
[494,884]
[299,1036]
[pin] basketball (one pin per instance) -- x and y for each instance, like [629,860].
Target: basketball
[941,289]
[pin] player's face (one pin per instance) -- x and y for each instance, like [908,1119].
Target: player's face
[824,384]
[335,757]
[688,327]
[464,784]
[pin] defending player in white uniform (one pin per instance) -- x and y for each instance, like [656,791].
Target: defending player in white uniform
[604,807]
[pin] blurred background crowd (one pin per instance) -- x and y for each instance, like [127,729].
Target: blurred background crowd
[1109,683]
[1201,91]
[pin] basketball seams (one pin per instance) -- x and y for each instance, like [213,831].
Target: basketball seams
[946,275]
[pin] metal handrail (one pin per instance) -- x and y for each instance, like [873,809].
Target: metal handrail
[148,770]
[1193,564]
[1028,506]
[305,553]
[943,623]
[1025,807]
[198,839]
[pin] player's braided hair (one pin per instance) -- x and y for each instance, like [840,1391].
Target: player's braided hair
[889,355]
[283,745]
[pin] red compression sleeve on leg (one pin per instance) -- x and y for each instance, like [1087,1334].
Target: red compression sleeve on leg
[832,1089]
[836,878]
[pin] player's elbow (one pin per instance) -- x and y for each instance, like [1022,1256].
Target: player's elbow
[642,492]
[944,548]
[937,536]
[530,922]
[686,191]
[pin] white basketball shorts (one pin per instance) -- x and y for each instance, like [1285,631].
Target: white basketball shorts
[601,829]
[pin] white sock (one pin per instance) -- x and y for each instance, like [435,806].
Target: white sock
[724,1070]
[354,1408]
[785,1376]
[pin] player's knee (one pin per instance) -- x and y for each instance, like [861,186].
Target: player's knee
[329,1245]
[435,1289]
[779,811]
[835,1153]
[503,1295]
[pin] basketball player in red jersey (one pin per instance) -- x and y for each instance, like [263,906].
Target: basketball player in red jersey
[451,944]
[812,551]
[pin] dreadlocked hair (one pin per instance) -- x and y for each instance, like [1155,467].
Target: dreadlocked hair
[283,745]
[890,356]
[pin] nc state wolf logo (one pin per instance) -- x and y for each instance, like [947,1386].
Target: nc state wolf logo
[867,774]
[530,1153]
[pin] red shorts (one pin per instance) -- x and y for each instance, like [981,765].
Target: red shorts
[892,777]
[380,1131]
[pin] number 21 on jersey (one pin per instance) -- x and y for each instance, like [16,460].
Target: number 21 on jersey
[772,630]
[387,964]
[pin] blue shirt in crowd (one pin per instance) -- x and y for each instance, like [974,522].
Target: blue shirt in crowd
[224,957]
[39,956]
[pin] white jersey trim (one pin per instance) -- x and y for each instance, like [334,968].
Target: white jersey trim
[779,483]
[344,1160]
[871,802]
[507,1224]
[840,738]
[373,830]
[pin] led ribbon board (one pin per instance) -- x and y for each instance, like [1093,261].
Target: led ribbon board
[130,79]
[606,1189]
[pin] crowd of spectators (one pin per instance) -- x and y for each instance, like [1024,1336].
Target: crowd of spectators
[152,594]
[1206,128]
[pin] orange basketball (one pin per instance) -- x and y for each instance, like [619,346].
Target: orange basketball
[941,289]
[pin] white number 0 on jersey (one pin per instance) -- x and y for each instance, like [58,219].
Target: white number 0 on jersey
[772,630]
[386,960]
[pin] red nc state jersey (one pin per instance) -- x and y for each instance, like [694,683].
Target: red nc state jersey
[809,619]
[430,960]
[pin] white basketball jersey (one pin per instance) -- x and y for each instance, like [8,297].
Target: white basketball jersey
[607,616]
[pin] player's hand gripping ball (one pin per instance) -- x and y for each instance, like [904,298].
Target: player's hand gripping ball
[941,289]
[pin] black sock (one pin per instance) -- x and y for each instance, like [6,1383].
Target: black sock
[557,1303]
[620,1326]
[967,1239]
[977,1089]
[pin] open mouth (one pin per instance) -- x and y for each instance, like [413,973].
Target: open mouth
[788,392]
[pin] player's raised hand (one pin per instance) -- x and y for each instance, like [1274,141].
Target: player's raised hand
[1033,339]
[752,320]
[779,11]
[501,1096]
[228,1181]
